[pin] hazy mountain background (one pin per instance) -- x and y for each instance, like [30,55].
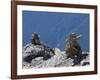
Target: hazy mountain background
[54,27]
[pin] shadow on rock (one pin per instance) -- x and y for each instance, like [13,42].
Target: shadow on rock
[79,58]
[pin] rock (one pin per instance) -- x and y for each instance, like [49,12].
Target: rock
[31,51]
[85,61]
[58,60]
[37,61]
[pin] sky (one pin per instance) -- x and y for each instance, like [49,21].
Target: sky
[54,27]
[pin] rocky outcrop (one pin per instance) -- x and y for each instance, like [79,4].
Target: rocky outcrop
[31,51]
[38,56]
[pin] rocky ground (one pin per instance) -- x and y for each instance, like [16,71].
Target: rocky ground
[58,60]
